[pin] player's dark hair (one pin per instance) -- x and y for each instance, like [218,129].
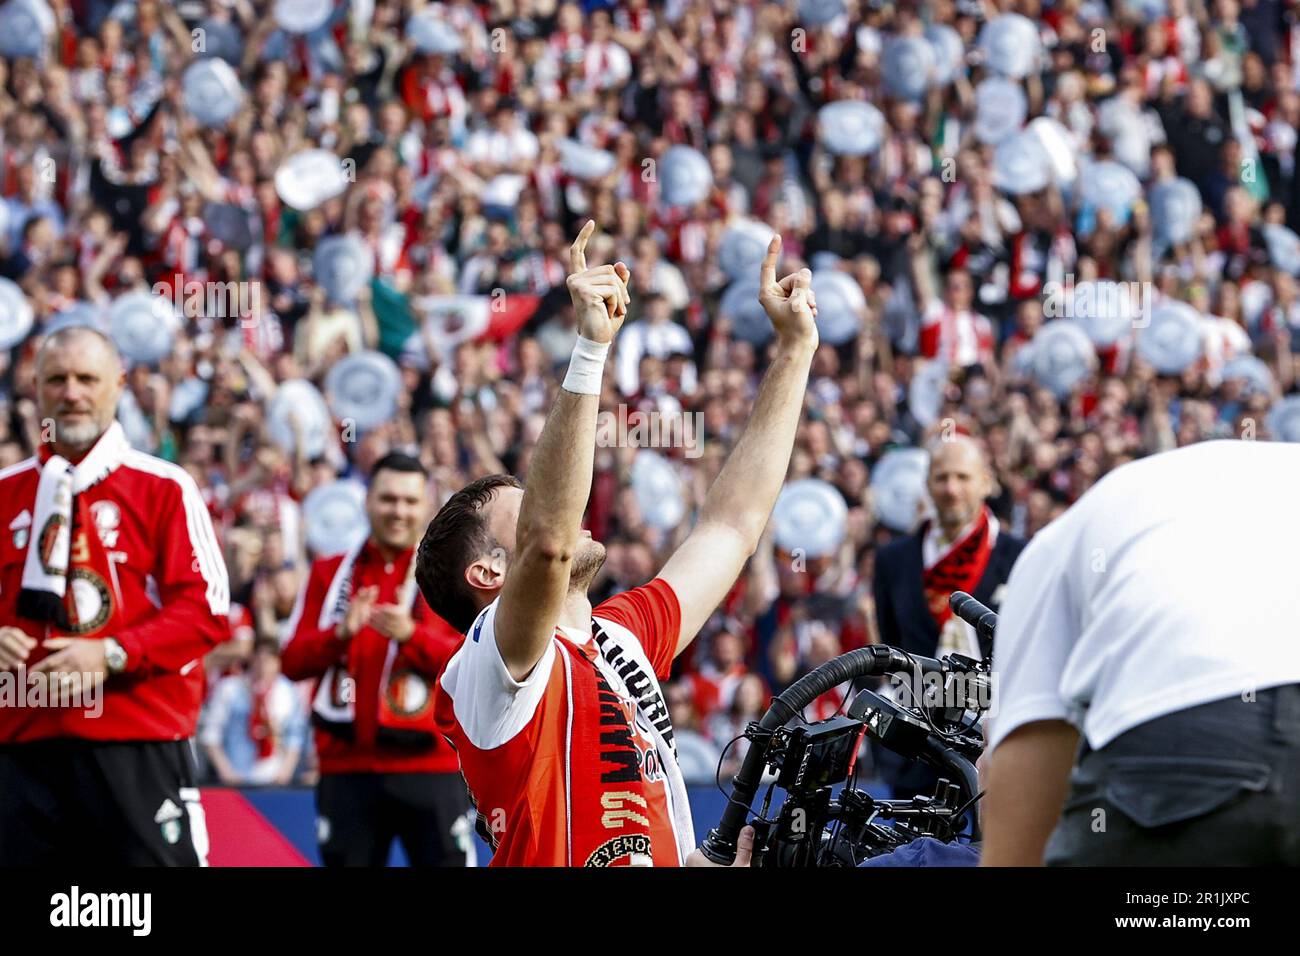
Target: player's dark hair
[398,461]
[457,536]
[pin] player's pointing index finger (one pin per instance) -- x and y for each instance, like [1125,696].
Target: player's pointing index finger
[767,277]
[578,251]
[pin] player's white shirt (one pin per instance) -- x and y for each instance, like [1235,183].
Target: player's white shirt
[1175,581]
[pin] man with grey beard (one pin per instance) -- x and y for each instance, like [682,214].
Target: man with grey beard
[112,586]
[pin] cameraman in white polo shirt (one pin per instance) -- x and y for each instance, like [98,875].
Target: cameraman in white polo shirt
[1159,617]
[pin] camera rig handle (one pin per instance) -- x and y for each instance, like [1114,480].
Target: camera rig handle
[873,661]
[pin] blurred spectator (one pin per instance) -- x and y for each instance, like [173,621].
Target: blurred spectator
[254,728]
[727,726]
[697,754]
[655,335]
[714,686]
[961,548]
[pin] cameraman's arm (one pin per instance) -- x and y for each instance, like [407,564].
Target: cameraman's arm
[1030,745]
[1028,777]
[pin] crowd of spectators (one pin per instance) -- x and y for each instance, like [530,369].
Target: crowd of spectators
[459,185]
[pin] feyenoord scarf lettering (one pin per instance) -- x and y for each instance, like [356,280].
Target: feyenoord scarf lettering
[66,572]
[610,814]
[405,698]
[960,568]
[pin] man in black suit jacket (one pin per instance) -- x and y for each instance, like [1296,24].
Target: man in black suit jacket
[961,548]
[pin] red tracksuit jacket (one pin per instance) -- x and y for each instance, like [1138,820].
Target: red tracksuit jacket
[169,586]
[311,651]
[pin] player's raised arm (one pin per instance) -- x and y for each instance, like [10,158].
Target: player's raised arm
[741,498]
[559,478]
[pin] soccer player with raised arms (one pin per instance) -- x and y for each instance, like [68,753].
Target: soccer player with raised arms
[555,707]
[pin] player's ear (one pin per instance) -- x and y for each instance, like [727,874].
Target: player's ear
[488,573]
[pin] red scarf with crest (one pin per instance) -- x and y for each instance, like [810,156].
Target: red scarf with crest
[958,569]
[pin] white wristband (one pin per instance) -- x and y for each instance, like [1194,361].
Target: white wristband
[586,367]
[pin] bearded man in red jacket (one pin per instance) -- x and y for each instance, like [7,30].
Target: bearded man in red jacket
[365,633]
[112,589]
